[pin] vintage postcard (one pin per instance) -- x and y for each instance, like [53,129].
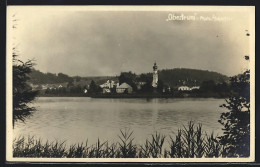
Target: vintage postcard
[130,84]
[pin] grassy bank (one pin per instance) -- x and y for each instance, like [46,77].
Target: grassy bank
[188,142]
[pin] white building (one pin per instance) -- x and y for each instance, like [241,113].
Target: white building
[195,87]
[106,90]
[155,76]
[184,88]
[85,91]
[109,84]
[124,87]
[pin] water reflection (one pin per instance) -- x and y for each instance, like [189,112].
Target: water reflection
[77,119]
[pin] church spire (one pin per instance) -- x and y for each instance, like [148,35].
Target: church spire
[155,66]
[155,75]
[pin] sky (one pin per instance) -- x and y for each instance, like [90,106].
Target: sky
[106,42]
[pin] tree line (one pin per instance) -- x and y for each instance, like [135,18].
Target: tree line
[37,77]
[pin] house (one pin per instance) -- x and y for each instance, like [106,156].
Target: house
[139,85]
[85,91]
[51,86]
[63,85]
[106,90]
[109,84]
[195,87]
[124,88]
[56,86]
[44,87]
[184,88]
[35,87]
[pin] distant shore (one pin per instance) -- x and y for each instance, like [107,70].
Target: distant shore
[183,95]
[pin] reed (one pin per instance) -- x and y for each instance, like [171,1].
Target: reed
[153,148]
[189,142]
[126,147]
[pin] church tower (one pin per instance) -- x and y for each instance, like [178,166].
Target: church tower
[155,76]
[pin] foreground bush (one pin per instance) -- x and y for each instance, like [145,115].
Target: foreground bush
[189,142]
[236,121]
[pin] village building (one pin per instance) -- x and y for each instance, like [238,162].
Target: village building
[166,89]
[48,86]
[106,90]
[139,85]
[124,88]
[85,91]
[107,86]
[44,87]
[195,87]
[63,85]
[35,87]
[184,88]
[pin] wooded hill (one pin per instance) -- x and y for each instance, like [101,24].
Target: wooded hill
[37,77]
[170,77]
[189,77]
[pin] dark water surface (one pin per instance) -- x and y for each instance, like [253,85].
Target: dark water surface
[76,119]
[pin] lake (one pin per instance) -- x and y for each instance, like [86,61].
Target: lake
[76,119]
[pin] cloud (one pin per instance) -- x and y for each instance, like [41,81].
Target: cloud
[105,43]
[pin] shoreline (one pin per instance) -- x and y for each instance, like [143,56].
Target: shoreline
[136,96]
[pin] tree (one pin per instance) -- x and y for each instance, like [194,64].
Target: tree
[78,78]
[63,78]
[70,84]
[23,94]
[93,88]
[222,87]
[48,91]
[147,79]
[208,86]
[160,86]
[236,122]
[129,78]
[147,87]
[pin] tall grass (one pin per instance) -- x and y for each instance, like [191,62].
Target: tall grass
[189,142]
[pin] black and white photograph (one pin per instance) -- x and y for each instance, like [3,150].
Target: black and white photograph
[130,84]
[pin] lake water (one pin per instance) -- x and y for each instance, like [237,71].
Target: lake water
[76,119]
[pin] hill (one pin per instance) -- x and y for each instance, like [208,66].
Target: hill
[37,77]
[170,77]
[184,76]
